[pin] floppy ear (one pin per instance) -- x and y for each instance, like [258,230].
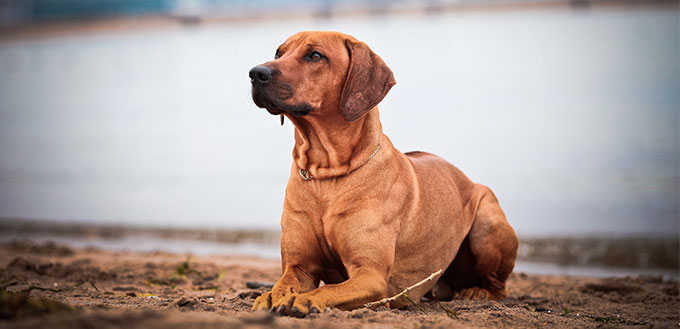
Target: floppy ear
[368,81]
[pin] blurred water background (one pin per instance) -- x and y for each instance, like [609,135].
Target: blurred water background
[138,114]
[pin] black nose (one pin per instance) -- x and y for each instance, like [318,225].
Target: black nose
[260,74]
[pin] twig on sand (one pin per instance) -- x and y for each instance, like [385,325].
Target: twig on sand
[385,300]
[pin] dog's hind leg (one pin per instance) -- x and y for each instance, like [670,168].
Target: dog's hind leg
[485,258]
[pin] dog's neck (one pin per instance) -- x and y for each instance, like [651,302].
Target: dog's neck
[332,148]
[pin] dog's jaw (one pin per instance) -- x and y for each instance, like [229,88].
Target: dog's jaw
[263,99]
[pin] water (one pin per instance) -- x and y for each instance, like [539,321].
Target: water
[142,243]
[571,117]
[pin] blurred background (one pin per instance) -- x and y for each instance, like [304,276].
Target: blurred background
[129,124]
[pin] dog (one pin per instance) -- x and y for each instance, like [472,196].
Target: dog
[360,216]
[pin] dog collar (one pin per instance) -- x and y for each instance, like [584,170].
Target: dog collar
[306,176]
[303,174]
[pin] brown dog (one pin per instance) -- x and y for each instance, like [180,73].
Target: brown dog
[359,215]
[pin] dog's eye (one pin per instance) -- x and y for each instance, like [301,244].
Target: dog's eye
[315,56]
[278,54]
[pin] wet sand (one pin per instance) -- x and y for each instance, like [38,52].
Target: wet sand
[46,285]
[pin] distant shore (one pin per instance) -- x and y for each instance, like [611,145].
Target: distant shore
[26,30]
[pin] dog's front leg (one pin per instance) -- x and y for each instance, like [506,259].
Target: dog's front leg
[365,244]
[298,261]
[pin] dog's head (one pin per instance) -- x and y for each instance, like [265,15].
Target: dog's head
[321,73]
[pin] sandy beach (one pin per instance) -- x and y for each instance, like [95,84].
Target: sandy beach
[50,285]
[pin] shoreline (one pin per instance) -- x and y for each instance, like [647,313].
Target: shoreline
[588,255]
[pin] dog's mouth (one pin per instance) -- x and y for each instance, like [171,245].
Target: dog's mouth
[264,103]
[262,99]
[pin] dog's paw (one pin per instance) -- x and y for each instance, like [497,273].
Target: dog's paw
[267,300]
[298,305]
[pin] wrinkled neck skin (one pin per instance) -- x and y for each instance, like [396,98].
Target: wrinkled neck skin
[331,146]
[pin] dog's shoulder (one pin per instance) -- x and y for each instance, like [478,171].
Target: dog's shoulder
[425,158]
[432,166]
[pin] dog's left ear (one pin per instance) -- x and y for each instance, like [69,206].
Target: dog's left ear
[368,81]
